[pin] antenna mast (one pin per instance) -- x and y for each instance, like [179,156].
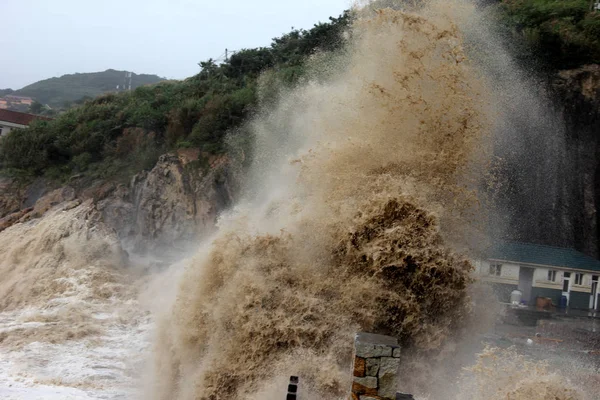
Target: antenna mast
[127,81]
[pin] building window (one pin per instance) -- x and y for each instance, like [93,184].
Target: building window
[566,282]
[495,269]
[579,279]
[552,275]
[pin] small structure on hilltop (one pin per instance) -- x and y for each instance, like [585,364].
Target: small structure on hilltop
[10,120]
[567,276]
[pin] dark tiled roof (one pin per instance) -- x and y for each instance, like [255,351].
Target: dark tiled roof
[528,253]
[19,118]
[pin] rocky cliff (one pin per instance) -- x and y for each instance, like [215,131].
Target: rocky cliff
[162,211]
[578,95]
[550,195]
[553,171]
[171,206]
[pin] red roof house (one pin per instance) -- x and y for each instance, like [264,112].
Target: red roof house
[13,119]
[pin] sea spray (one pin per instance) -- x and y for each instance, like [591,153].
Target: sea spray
[501,374]
[60,264]
[345,224]
[364,184]
[70,324]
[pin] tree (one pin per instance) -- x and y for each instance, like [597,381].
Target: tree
[208,68]
[36,107]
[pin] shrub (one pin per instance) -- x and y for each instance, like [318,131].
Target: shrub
[81,161]
[564,33]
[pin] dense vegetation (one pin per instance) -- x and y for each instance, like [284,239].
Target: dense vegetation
[116,135]
[4,92]
[60,92]
[563,33]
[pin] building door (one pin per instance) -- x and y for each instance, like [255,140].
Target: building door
[566,285]
[594,293]
[525,283]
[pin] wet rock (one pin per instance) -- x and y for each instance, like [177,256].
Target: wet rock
[101,190]
[170,207]
[554,188]
[162,210]
[115,208]
[359,367]
[367,350]
[35,191]
[388,377]
[367,385]
[368,382]
[372,366]
[13,218]
[175,203]
[368,345]
[52,199]
[11,196]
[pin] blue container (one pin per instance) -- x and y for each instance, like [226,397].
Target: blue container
[563,302]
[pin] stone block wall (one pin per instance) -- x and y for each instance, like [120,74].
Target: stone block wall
[376,364]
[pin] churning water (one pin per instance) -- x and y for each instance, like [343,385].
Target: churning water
[361,203]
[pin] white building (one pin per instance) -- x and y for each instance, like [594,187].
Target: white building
[542,271]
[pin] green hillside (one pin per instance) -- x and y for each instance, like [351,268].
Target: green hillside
[4,92]
[69,88]
[119,134]
[561,33]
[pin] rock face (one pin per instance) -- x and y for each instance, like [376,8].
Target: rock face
[52,199]
[552,167]
[161,211]
[551,196]
[579,94]
[45,203]
[171,206]
[11,196]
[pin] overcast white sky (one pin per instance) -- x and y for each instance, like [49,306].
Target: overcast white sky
[46,38]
